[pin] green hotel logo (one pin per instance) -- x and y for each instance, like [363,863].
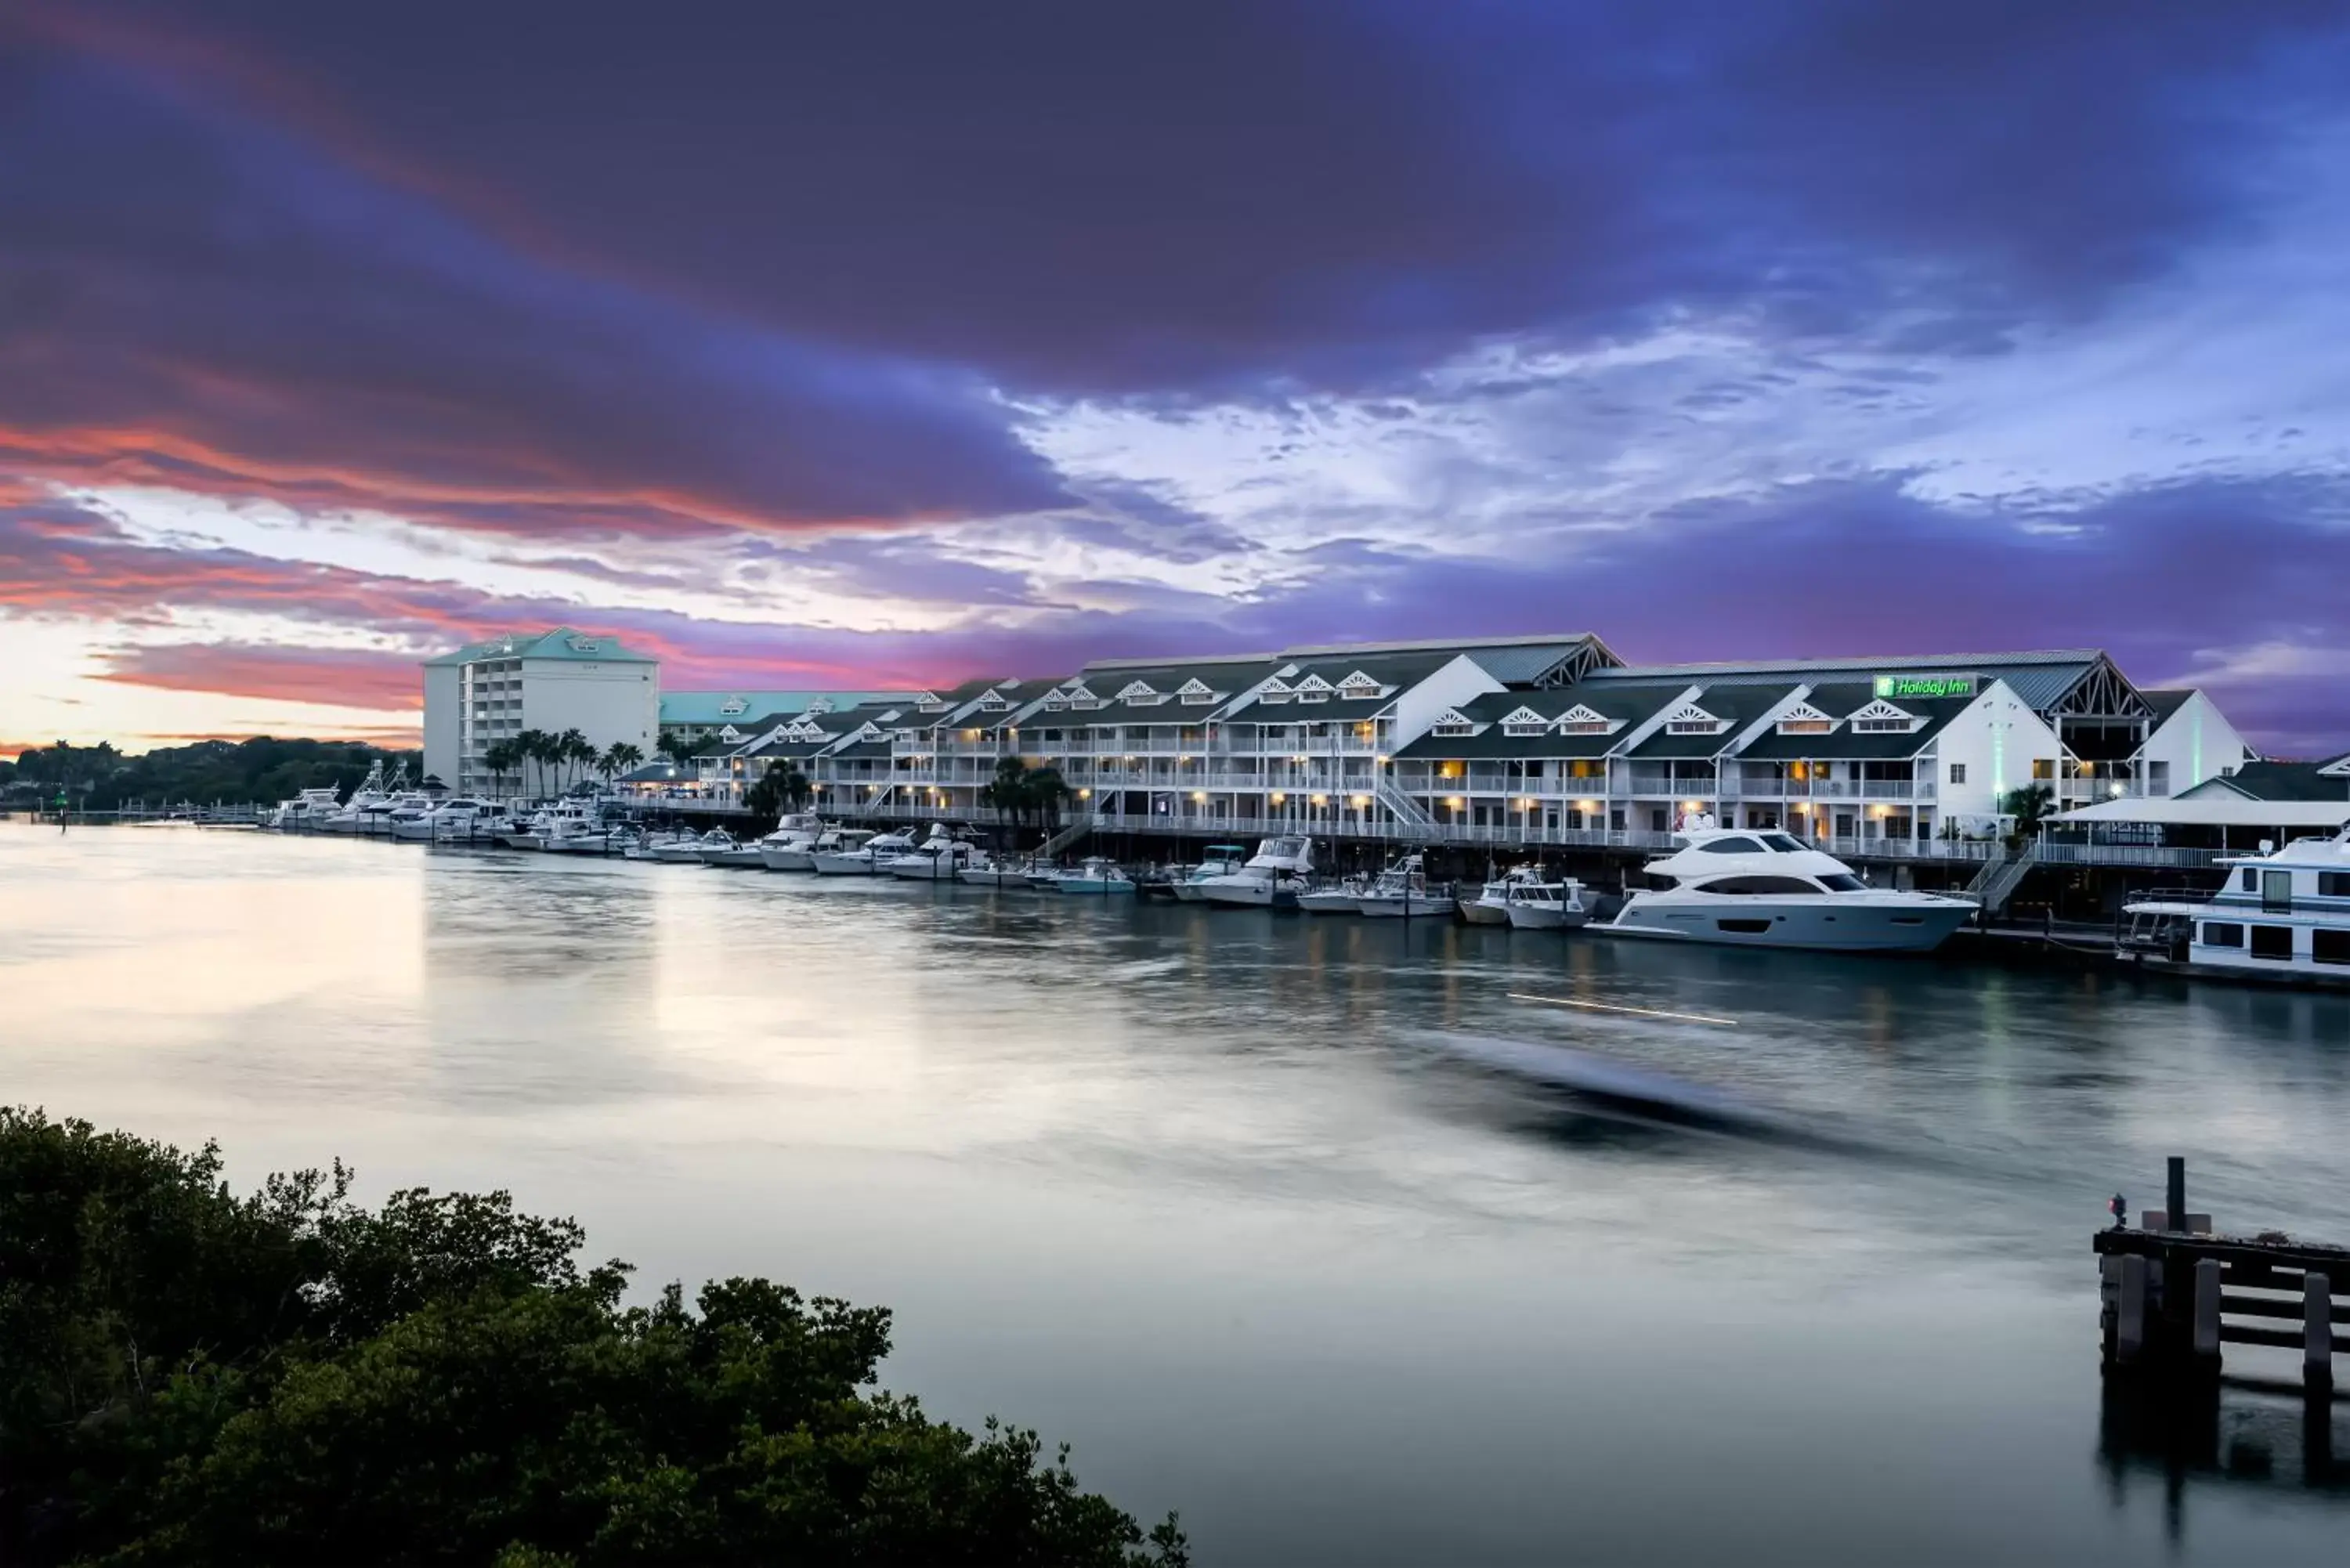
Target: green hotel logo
[1925,686]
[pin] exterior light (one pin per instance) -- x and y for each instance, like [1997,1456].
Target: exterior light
[1278,797]
[1381,761]
[2118,789]
[1454,801]
[1524,805]
[1184,758]
[1321,800]
[1361,801]
[1199,795]
[1586,805]
[1085,794]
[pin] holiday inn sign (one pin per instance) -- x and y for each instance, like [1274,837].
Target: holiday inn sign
[1897,686]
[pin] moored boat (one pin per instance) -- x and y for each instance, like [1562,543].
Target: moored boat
[1401,893]
[1750,888]
[2281,917]
[1281,868]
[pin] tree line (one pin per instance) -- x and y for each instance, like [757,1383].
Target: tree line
[207,772]
[290,1378]
[562,758]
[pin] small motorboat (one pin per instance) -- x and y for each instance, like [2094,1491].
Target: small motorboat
[1402,892]
[1337,898]
[1547,906]
[1095,876]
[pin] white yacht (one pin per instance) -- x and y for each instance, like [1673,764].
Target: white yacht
[785,849]
[457,817]
[1281,868]
[1756,887]
[1491,906]
[1095,874]
[2282,916]
[1334,897]
[864,859]
[734,853]
[1401,892]
[360,811]
[937,858]
[801,856]
[1547,906]
[648,844]
[689,851]
[560,828]
[1216,860]
[309,809]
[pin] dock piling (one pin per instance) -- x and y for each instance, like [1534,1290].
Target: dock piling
[2316,1333]
[2130,1326]
[2207,1312]
[2173,1193]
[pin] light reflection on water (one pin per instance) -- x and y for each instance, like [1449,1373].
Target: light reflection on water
[1200,1192]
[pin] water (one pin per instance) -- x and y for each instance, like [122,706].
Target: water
[1204,1193]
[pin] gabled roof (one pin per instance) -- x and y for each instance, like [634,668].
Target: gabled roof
[731,707]
[2039,679]
[1736,705]
[1626,705]
[1842,700]
[2276,781]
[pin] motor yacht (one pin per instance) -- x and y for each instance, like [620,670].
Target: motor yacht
[569,827]
[1401,892]
[1539,906]
[307,810]
[1047,878]
[794,835]
[645,844]
[801,857]
[733,855]
[367,803]
[993,873]
[456,817]
[2282,916]
[1095,874]
[862,860]
[1281,868]
[937,858]
[1216,860]
[689,851]
[1491,906]
[1753,888]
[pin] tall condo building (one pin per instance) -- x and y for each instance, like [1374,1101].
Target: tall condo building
[555,681]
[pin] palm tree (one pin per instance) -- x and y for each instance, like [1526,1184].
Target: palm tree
[529,746]
[783,788]
[573,750]
[620,757]
[1044,792]
[1007,792]
[2031,808]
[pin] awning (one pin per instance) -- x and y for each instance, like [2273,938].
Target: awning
[2215,810]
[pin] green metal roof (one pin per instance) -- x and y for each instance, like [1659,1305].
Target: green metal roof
[2278,782]
[1629,705]
[1736,704]
[1841,700]
[562,643]
[737,708]
[2039,679]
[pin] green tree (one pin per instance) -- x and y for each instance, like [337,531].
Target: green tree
[1046,794]
[674,745]
[620,757]
[1008,794]
[500,757]
[2031,808]
[191,1376]
[530,746]
[574,751]
[780,789]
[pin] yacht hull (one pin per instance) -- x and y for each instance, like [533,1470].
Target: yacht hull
[1374,907]
[677,854]
[922,868]
[746,858]
[1331,901]
[992,877]
[1545,917]
[1478,912]
[787,860]
[842,865]
[1093,887]
[1841,925]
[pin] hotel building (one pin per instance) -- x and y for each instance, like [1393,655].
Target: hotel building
[554,681]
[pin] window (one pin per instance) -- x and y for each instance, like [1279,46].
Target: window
[2273,942]
[1882,726]
[2157,778]
[1805,726]
[2329,947]
[1731,846]
[1456,727]
[2044,770]
[1521,727]
[2333,884]
[2276,891]
[2222,934]
[1585,727]
[1693,726]
[1958,772]
[1757,885]
[2252,882]
[1781,843]
[1837,882]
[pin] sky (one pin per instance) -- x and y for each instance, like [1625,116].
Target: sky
[855,346]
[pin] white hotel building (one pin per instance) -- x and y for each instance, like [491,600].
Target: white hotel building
[554,681]
[1521,740]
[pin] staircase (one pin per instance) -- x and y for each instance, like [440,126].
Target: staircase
[1077,828]
[1406,811]
[1997,881]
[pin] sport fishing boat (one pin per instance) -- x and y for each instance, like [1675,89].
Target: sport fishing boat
[367,803]
[454,818]
[1491,906]
[689,851]
[936,860]
[1216,860]
[864,859]
[1547,906]
[1095,874]
[802,856]
[1281,868]
[785,849]
[2281,917]
[1751,888]
[1401,892]
[993,873]
[734,853]
[646,844]
[1334,897]
[307,810]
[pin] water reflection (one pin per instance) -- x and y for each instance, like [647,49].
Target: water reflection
[1197,1190]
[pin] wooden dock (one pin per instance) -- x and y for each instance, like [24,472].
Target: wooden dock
[2173,1294]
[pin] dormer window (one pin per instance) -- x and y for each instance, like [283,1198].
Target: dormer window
[994,702]
[1523,721]
[1360,685]
[1134,691]
[1882,718]
[1194,693]
[1321,696]
[1689,719]
[1452,721]
[1274,691]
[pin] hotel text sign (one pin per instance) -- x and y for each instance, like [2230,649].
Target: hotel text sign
[1925,686]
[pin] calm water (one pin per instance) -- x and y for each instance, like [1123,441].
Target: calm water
[1200,1192]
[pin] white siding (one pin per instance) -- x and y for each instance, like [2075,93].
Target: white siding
[2198,742]
[605,702]
[1416,707]
[441,722]
[1996,740]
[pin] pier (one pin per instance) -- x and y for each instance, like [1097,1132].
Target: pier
[2173,1294]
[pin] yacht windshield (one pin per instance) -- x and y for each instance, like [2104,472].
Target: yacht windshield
[1838,882]
[1781,843]
[1731,846]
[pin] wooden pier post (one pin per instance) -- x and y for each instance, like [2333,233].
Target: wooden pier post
[2175,1195]
[2316,1333]
[2129,1328]
[2207,1313]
